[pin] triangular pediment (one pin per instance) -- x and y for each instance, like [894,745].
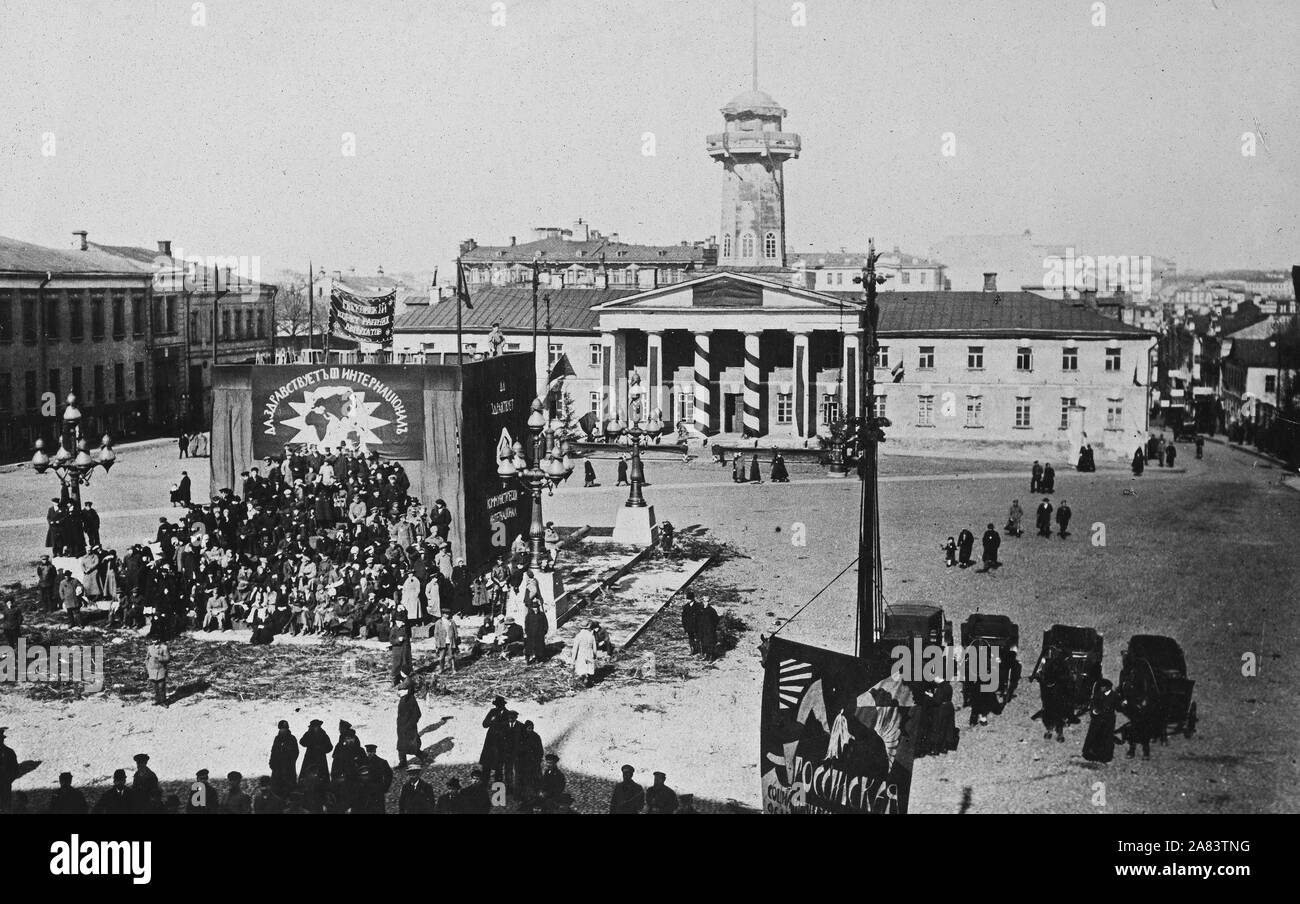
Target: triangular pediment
[723,291]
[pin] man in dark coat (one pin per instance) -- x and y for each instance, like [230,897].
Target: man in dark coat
[417,795]
[551,784]
[408,724]
[490,757]
[690,618]
[203,797]
[588,474]
[116,799]
[348,752]
[779,472]
[1053,686]
[47,578]
[90,524]
[659,798]
[53,527]
[145,789]
[376,777]
[622,472]
[1139,462]
[67,799]
[535,628]
[528,763]
[1171,453]
[1049,479]
[284,761]
[317,744]
[1063,519]
[1043,519]
[8,773]
[991,541]
[183,444]
[965,545]
[1035,477]
[183,489]
[706,629]
[628,796]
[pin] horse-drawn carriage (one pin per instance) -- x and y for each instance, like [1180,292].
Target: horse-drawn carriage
[1154,676]
[1000,633]
[1081,649]
[905,621]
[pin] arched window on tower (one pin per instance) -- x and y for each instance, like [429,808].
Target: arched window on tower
[769,245]
[747,245]
[726,245]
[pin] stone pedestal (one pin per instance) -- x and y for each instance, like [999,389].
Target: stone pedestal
[635,525]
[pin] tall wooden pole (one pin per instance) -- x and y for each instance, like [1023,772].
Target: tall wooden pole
[311,306]
[870,599]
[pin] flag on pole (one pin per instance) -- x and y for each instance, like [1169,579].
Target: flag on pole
[462,290]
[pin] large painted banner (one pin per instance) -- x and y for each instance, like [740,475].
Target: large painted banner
[835,733]
[364,319]
[376,408]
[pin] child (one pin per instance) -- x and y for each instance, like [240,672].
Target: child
[950,552]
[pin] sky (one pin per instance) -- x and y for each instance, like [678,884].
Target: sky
[221,126]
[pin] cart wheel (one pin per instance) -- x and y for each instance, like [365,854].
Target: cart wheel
[1190,729]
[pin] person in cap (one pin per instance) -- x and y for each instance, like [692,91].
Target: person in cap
[659,798]
[476,798]
[67,799]
[376,777]
[156,658]
[450,800]
[690,617]
[11,621]
[528,763]
[628,796]
[417,795]
[265,800]
[145,787]
[47,578]
[551,784]
[536,626]
[317,744]
[284,761]
[116,799]
[8,772]
[237,800]
[203,798]
[408,723]
[584,654]
[686,804]
[347,752]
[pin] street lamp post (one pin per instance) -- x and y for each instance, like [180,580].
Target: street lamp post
[551,462]
[73,464]
[635,522]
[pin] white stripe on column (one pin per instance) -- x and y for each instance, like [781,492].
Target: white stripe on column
[753,380]
[703,376]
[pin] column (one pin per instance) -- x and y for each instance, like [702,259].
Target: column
[705,411]
[849,374]
[619,369]
[657,390]
[607,401]
[803,416]
[755,411]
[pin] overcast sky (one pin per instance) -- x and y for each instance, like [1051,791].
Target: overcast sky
[227,138]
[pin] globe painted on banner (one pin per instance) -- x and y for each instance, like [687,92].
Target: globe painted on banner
[332,416]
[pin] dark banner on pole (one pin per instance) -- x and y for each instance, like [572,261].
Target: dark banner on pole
[362,318]
[495,397]
[375,408]
[835,733]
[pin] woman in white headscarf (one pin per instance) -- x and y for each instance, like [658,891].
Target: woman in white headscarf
[584,654]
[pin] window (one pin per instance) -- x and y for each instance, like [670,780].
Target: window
[1024,358]
[29,389]
[1022,413]
[926,359]
[6,392]
[975,357]
[261,324]
[53,319]
[882,356]
[99,384]
[556,350]
[830,408]
[1114,414]
[119,316]
[6,318]
[137,315]
[76,319]
[686,406]
[97,317]
[1066,405]
[169,305]
[880,405]
[839,279]
[925,411]
[77,386]
[119,382]
[1070,358]
[769,245]
[785,407]
[29,317]
[1270,382]
[595,358]
[907,277]
[974,411]
[513,346]
[593,400]
[225,324]
[1112,359]
[726,246]
[139,379]
[54,384]
[922,277]
[747,245]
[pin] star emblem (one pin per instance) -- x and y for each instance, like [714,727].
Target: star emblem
[334,415]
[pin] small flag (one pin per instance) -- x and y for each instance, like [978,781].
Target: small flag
[462,290]
[897,372]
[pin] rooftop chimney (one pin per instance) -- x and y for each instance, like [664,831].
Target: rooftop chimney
[81,233]
[613,237]
[165,247]
[990,282]
[580,231]
[338,274]
[513,241]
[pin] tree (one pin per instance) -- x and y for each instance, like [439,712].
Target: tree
[293,311]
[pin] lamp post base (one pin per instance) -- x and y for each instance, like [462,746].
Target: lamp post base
[635,525]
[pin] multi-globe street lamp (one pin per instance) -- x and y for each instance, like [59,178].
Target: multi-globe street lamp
[74,464]
[640,432]
[551,462]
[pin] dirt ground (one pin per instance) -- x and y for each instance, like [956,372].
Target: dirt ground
[1203,556]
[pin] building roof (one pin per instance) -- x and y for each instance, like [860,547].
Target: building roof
[753,101]
[1019,313]
[857,260]
[26,257]
[513,306]
[566,251]
[154,259]
[1229,322]
[365,285]
[1259,353]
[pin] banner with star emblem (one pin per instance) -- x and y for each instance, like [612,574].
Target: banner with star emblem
[836,734]
[373,408]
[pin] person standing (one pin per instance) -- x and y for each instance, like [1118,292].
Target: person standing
[965,546]
[183,443]
[1035,477]
[90,524]
[446,641]
[71,594]
[183,492]
[622,472]
[8,773]
[584,655]
[1200,447]
[11,622]
[417,795]
[659,798]
[628,796]
[706,628]
[754,475]
[284,761]
[376,778]
[1063,519]
[1171,453]
[535,628]
[690,617]
[237,800]
[157,657]
[551,784]
[47,578]
[1014,517]
[116,799]
[528,764]
[1044,519]
[1049,479]
[317,744]
[588,474]
[1099,743]
[203,797]
[990,541]
[408,723]
[145,789]
[779,472]
[66,799]
[1139,462]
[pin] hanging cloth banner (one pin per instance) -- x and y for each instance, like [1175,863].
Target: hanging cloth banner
[364,319]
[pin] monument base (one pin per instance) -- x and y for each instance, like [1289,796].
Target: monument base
[635,525]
